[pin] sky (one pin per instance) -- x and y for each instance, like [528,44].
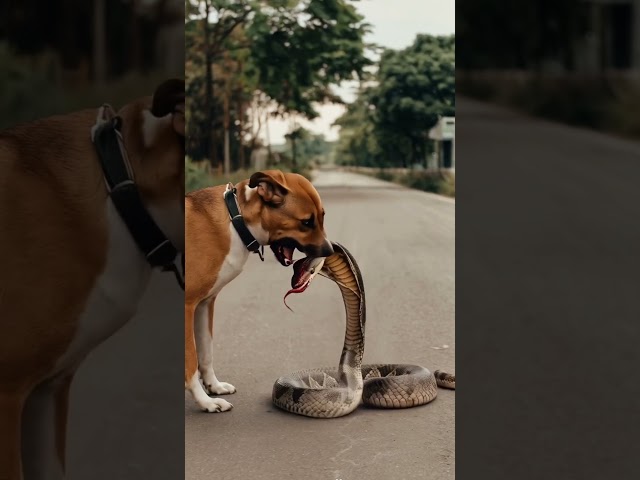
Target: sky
[395,24]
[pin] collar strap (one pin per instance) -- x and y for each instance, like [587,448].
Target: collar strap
[231,199]
[118,175]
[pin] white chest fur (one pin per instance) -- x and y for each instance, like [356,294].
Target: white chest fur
[233,263]
[115,296]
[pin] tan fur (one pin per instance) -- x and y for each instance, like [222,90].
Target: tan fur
[208,242]
[53,244]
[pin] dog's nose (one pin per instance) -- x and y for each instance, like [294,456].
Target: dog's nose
[326,249]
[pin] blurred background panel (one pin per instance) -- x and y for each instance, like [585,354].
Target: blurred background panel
[126,407]
[63,55]
[572,61]
[548,127]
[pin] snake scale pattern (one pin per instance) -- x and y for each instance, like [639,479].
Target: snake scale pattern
[335,392]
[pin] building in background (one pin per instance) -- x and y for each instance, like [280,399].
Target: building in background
[443,135]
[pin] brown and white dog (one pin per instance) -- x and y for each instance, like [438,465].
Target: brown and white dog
[282,210]
[71,272]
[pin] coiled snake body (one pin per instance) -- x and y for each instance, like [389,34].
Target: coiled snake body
[334,392]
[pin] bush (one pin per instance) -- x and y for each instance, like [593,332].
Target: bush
[305,172]
[197,175]
[428,181]
[607,102]
[623,112]
[30,88]
[384,175]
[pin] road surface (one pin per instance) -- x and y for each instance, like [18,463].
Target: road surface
[547,297]
[404,242]
[125,419]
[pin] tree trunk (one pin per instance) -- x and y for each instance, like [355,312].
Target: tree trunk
[293,152]
[266,132]
[135,57]
[227,153]
[210,142]
[240,114]
[99,50]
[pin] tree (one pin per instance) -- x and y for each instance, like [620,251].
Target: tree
[388,123]
[301,51]
[211,39]
[281,55]
[358,143]
[415,86]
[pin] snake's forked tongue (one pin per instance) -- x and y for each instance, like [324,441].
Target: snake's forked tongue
[299,280]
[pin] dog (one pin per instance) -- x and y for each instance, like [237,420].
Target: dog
[223,225]
[73,264]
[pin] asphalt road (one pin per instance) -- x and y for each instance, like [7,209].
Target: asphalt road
[404,242]
[547,298]
[125,418]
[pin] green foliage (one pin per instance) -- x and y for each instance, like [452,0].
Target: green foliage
[261,55]
[300,51]
[441,183]
[358,142]
[415,86]
[29,88]
[434,182]
[388,123]
[27,93]
[306,149]
[383,174]
[606,103]
[197,175]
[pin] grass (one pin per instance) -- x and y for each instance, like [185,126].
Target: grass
[32,87]
[198,175]
[434,182]
[607,103]
[441,183]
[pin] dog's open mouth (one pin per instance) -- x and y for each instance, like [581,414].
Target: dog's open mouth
[284,249]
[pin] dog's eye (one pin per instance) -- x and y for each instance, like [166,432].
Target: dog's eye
[308,222]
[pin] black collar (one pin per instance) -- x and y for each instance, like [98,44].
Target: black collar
[247,237]
[157,248]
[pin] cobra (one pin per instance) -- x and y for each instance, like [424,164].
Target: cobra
[335,392]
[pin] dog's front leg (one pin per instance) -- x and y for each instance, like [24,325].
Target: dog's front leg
[44,427]
[11,406]
[204,342]
[191,376]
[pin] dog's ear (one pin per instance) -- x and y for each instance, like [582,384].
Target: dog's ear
[169,99]
[272,186]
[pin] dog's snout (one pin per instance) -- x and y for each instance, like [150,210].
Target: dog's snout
[326,249]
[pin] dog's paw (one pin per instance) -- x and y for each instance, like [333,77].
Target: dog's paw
[215,405]
[220,388]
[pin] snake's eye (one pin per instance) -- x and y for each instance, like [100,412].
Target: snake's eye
[313,270]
